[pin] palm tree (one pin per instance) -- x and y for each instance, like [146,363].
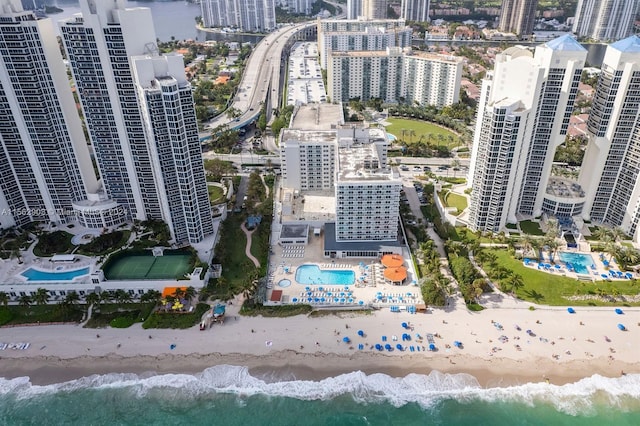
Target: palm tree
[72,298]
[25,301]
[151,296]
[602,234]
[190,293]
[179,293]
[553,246]
[526,242]
[122,296]
[92,299]
[512,283]
[105,297]
[4,299]
[41,297]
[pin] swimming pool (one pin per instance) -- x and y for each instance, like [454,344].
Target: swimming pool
[312,274]
[32,274]
[580,262]
[284,283]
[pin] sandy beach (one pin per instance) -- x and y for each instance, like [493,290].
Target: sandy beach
[561,347]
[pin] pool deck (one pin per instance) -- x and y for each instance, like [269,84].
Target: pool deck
[592,274]
[285,261]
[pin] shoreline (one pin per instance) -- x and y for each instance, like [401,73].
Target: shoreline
[290,365]
[501,347]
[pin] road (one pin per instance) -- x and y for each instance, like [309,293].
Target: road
[261,77]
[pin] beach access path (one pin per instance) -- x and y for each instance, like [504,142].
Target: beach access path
[247,249]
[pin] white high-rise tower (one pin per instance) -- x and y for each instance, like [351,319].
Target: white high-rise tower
[44,160]
[100,44]
[611,167]
[523,116]
[166,102]
[605,19]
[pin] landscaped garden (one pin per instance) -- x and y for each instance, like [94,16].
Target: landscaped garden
[410,131]
[450,199]
[552,288]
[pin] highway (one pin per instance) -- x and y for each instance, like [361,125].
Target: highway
[260,79]
[248,157]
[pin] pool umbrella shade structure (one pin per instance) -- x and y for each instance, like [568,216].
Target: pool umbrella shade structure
[396,275]
[619,311]
[571,310]
[392,260]
[622,327]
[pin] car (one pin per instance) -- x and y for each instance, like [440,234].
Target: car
[426,168]
[404,168]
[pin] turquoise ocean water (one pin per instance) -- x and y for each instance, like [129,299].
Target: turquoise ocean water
[229,395]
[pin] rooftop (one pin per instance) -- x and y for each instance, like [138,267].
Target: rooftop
[560,187]
[361,162]
[312,206]
[629,44]
[317,117]
[565,42]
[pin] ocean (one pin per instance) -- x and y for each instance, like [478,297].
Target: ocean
[229,395]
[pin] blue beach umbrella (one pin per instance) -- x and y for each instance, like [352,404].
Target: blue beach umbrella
[294,300]
[322,299]
[360,333]
[346,339]
[432,347]
[316,299]
[399,347]
[379,346]
[619,311]
[457,344]
[360,302]
[622,327]
[571,310]
[405,325]
[388,347]
[309,299]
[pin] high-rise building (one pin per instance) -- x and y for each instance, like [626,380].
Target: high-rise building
[45,165]
[365,75]
[605,20]
[415,10]
[518,17]
[611,166]
[100,43]
[431,79]
[394,75]
[523,116]
[166,101]
[374,9]
[354,9]
[367,193]
[301,7]
[245,15]
[341,35]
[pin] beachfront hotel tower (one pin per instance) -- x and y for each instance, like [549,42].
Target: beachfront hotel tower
[518,17]
[354,9]
[100,43]
[166,103]
[44,160]
[523,116]
[611,167]
[605,20]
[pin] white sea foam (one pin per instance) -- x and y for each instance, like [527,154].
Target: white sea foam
[425,390]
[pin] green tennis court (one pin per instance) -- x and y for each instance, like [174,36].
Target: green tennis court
[138,267]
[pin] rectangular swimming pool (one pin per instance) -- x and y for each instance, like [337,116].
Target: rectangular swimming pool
[312,274]
[580,262]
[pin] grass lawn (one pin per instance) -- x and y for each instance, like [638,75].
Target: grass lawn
[422,128]
[235,263]
[455,200]
[552,289]
[531,228]
[216,194]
